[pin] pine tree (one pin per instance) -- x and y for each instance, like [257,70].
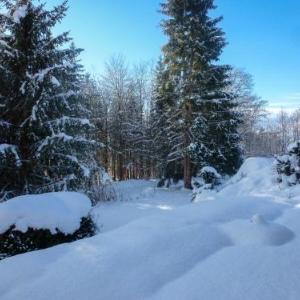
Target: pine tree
[168,159]
[41,101]
[206,131]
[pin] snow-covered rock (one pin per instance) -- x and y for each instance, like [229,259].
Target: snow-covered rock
[62,211]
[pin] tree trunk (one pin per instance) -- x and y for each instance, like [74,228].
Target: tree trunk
[187,172]
[114,166]
[120,167]
[187,165]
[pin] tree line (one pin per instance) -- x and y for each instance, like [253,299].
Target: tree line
[273,133]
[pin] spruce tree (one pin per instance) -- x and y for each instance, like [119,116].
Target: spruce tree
[49,148]
[168,159]
[206,126]
[218,145]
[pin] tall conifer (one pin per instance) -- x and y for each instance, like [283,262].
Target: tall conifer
[41,103]
[206,121]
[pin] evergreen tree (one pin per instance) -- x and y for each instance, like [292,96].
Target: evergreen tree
[218,145]
[206,126]
[41,101]
[168,159]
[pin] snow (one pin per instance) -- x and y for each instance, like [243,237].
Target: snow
[293,146]
[4,123]
[55,81]
[259,232]
[64,138]
[20,13]
[86,171]
[4,148]
[65,120]
[49,139]
[209,169]
[62,211]
[239,243]
[22,88]
[41,74]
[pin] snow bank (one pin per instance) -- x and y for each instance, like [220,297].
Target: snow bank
[256,175]
[257,170]
[62,211]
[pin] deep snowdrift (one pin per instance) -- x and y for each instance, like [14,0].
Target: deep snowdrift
[240,243]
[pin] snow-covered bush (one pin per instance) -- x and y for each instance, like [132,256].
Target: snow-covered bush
[33,222]
[210,177]
[207,179]
[288,166]
[103,193]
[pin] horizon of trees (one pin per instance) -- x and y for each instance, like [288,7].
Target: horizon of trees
[264,133]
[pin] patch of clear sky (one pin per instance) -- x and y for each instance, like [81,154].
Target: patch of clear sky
[263,38]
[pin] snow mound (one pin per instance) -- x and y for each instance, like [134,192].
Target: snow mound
[256,175]
[254,166]
[257,231]
[61,211]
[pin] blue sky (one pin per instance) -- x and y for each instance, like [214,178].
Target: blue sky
[263,37]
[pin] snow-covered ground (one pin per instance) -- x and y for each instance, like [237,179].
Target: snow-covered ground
[240,243]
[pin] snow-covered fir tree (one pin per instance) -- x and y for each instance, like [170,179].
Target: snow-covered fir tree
[167,160]
[206,117]
[218,145]
[48,147]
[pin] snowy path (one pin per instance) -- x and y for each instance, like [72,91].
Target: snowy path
[156,244]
